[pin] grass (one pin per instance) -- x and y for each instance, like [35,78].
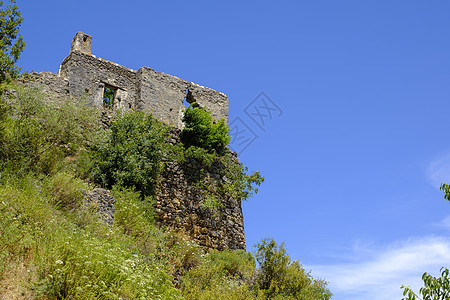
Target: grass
[52,247]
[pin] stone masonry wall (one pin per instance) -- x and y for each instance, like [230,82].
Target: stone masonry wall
[88,76]
[180,206]
[180,203]
[162,95]
[156,92]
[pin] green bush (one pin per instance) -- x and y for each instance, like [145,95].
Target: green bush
[202,131]
[130,154]
[37,132]
[71,262]
[281,278]
[11,41]
[223,275]
[66,191]
[435,288]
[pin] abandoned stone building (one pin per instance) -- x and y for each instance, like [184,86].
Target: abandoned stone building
[178,202]
[145,89]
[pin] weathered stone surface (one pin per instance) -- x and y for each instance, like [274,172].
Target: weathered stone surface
[158,93]
[88,76]
[161,94]
[180,206]
[102,202]
[212,100]
[179,201]
[81,42]
[49,83]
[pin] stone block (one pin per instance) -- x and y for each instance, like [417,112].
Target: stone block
[214,101]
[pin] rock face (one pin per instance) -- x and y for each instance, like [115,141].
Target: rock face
[102,202]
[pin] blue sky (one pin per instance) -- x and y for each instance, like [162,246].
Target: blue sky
[355,152]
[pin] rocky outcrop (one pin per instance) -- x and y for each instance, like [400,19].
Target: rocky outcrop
[101,202]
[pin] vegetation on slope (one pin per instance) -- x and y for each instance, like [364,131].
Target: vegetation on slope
[52,247]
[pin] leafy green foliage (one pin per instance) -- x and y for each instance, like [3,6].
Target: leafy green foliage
[72,262]
[435,288]
[240,182]
[134,215]
[224,274]
[281,278]
[130,154]
[11,42]
[108,98]
[235,180]
[66,191]
[202,131]
[446,189]
[71,254]
[36,132]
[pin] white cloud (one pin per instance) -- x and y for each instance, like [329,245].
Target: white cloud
[438,171]
[444,224]
[380,276]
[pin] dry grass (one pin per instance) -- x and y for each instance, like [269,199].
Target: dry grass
[16,281]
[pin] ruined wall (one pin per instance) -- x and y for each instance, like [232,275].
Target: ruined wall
[88,76]
[162,95]
[156,92]
[212,100]
[180,205]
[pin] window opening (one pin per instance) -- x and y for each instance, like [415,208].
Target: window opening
[108,97]
[185,103]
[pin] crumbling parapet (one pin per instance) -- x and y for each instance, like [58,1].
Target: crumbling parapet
[214,101]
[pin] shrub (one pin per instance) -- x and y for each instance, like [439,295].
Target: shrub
[38,132]
[202,131]
[278,276]
[66,191]
[11,41]
[223,275]
[130,156]
[435,288]
[71,262]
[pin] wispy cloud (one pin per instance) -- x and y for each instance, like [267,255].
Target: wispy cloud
[444,223]
[380,276]
[438,171]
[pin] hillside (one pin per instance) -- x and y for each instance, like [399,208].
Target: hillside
[55,245]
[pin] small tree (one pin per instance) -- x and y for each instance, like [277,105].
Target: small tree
[11,42]
[202,131]
[435,288]
[130,154]
[281,278]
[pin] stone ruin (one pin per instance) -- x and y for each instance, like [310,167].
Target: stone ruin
[145,89]
[178,201]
